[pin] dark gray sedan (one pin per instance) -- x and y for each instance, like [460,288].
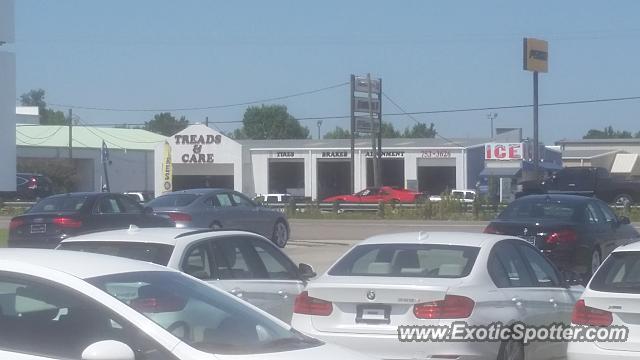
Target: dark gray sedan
[222,208]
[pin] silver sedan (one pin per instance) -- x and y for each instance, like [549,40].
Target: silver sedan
[222,209]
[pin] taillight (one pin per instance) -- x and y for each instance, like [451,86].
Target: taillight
[66,222]
[33,184]
[308,305]
[561,237]
[179,217]
[15,223]
[491,230]
[452,307]
[586,315]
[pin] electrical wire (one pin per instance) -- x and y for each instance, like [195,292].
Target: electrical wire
[43,137]
[209,107]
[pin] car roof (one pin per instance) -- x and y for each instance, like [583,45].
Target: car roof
[630,247]
[199,191]
[79,194]
[79,264]
[557,197]
[165,236]
[435,237]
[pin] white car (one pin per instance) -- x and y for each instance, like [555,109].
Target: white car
[464,196]
[612,297]
[70,305]
[245,264]
[415,279]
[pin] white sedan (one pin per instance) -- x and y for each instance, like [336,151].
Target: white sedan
[412,279]
[245,264]
[612,298]
[70,305]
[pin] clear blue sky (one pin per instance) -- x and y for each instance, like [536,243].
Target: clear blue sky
[431,55]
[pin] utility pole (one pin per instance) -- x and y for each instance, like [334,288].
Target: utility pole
[491,117]
[70,134]
[379,152]
[353,139]
[536,144]
[374,149]
[206,121]
[319,124]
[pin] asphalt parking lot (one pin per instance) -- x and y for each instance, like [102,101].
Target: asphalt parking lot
[320,242]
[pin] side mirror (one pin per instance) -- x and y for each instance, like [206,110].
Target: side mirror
[623,220]
[108,350]
[306,271]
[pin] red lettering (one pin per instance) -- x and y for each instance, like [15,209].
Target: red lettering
[500,152]
[514,151]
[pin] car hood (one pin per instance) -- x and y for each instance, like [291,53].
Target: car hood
[337,198]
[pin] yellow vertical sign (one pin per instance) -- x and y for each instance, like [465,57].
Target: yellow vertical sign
[167,169]
[536,55]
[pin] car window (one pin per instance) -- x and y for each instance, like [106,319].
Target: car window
[197,262]
[497,272]
[272,199]
[542,209]
[407,260]
[469,196]
[609,216]
[593,214]
[155,253]
[275,263]
[237,259]
[173,200]
[513,265]
[59,203]
[543,271]
[45,319]
[620,273]
[240,200]
[108,205]
[222,200]
[129,206]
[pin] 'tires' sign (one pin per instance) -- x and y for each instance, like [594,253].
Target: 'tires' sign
[503,151]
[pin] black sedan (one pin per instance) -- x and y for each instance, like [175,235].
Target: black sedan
[575,232]
[57,217]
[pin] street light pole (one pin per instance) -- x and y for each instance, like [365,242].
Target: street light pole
[319,124]
[491,117]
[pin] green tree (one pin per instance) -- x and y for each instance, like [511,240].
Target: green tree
[338,133]
[166,124]
[420,130]
[270,122]
[608,133]
[35,97]
[389,132]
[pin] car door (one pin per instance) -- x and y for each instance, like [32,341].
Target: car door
[623,233]
[553,299]
[251,218]
[107,213]
[220,211]
[133,211]
[524,301]
[251,270]
[598,228]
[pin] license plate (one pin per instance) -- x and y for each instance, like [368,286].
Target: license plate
[530,239]
[373,314]
[38,228]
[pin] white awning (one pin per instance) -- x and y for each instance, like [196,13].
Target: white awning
[624,164]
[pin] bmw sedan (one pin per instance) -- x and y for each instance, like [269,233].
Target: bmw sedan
[395,281]
[57,305]
[222,209]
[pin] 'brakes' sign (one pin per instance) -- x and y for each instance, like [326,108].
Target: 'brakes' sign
[503,151]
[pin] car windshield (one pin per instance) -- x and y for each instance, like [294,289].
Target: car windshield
[542,209]
[155,253]
[620,273]
[59,203]
[203,317]
[407,260]
[173,200]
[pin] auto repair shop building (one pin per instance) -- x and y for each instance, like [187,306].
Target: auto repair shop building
[203,157]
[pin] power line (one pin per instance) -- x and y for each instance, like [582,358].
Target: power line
[40,138]
[209,107]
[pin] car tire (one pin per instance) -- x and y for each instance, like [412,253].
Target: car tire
[621,199]
[280,235]
[215,225]
[596,261]
[511,350]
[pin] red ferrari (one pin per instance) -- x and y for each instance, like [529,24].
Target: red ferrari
[375,195]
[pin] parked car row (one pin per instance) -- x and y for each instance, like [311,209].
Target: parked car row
[528,267]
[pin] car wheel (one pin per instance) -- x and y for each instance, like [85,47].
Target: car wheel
[623,199]
[215,225]
[596,260]
[280,234]
[511,350]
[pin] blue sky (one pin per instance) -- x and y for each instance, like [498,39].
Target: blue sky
[431,55]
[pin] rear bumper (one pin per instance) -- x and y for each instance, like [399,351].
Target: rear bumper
[590,351]
[38,243]
[388,347]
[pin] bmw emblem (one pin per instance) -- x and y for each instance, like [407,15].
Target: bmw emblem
[371,295]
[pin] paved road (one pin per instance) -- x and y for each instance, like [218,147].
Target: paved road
[321,242]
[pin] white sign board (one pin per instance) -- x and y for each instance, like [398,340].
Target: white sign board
[503,151]
[362,85]
[361,104]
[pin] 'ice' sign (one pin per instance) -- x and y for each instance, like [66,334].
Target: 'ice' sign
[503,151]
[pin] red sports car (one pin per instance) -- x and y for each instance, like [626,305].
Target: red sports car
[375,195]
